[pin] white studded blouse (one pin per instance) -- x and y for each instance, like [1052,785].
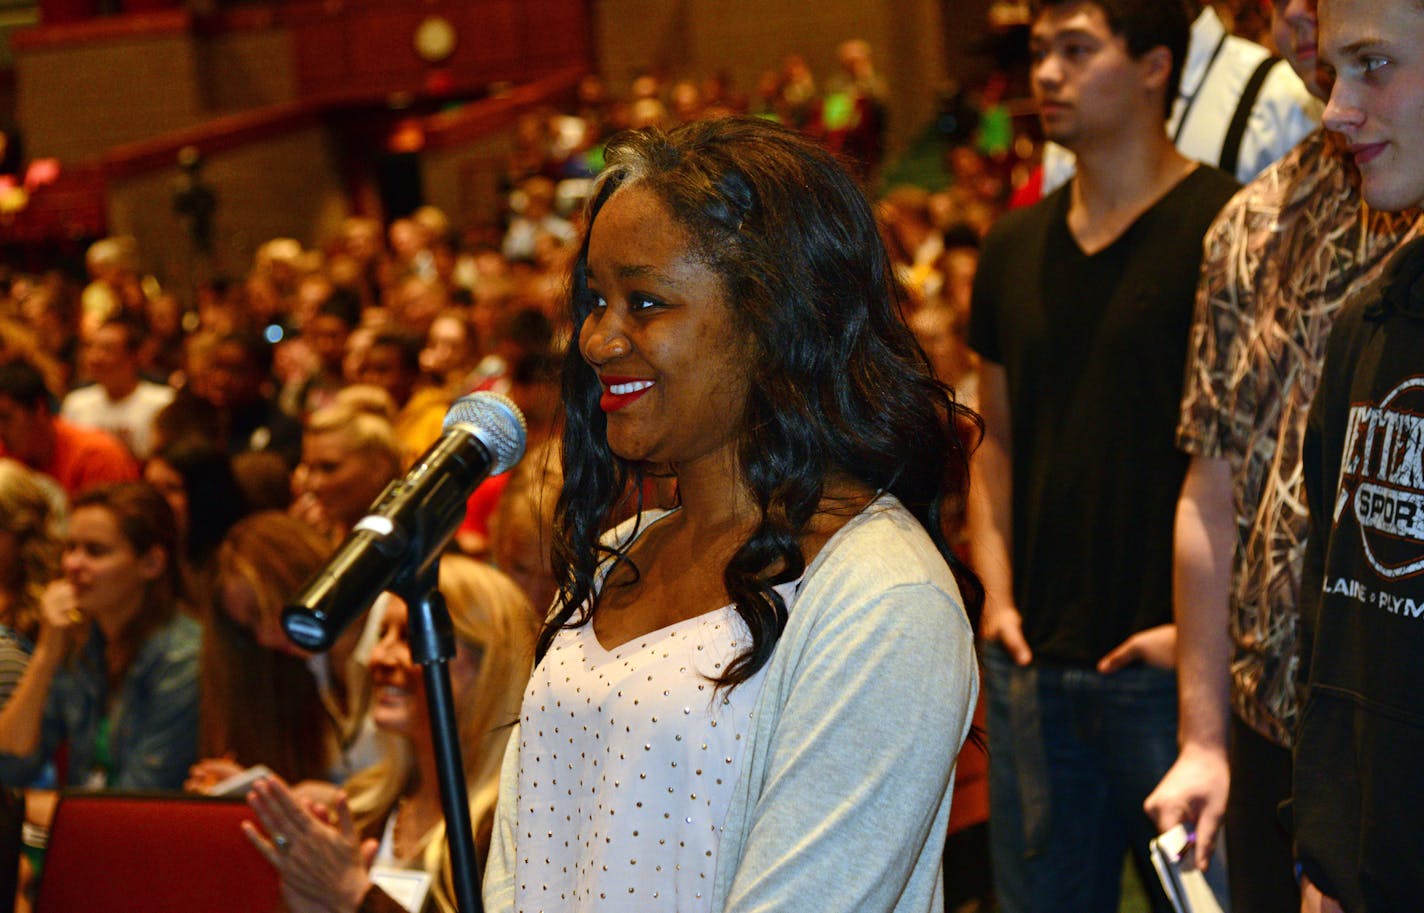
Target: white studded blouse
[627,762]
[842,796]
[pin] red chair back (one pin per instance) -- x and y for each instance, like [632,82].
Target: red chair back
[160,853]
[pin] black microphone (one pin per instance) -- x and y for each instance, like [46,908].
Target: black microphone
[410,523]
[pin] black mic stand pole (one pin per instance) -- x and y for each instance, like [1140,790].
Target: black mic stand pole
[432,645]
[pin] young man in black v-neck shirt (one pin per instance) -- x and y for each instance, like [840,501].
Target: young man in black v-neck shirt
[1081,310]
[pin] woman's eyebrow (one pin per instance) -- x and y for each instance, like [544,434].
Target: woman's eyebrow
[625,272]
[640,271]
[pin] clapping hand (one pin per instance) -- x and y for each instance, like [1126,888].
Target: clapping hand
[321,859]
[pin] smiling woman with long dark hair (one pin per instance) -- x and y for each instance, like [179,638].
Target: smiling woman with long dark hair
[753,700]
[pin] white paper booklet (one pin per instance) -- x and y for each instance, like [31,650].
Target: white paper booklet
[1188,888]
[239,783]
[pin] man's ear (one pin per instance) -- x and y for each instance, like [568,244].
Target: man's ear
[1156,67]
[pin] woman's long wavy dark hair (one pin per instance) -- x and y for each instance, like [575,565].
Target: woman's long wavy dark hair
[215,500]
[839,389]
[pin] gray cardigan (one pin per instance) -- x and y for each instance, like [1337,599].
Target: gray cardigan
[843,798]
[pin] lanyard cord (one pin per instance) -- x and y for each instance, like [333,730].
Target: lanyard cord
[1192,99]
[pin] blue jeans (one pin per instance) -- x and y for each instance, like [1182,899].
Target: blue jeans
[1072,754]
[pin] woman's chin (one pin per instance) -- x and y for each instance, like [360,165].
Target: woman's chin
[393,710]
[391,720]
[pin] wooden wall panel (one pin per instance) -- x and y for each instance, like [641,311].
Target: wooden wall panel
[363,48]
[491,39]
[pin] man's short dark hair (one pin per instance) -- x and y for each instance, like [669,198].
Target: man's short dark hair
[135,331]
[343,304]
[255,348]
[406,344]
[22,382]
[529,329]
[1144,25]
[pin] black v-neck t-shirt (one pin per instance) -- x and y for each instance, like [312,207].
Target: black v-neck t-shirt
[1094,350]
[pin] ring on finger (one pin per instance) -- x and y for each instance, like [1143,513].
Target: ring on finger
[281,842]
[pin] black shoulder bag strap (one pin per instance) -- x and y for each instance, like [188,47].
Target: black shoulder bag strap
[1231,146]
[1192,99]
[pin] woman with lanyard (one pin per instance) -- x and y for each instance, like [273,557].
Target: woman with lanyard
[115,667]
[754,700]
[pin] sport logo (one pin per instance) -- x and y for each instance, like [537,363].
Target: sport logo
[1382,479]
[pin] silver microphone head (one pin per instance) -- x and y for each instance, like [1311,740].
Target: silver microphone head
[496,422]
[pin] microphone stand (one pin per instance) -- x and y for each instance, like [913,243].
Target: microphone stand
[432,645]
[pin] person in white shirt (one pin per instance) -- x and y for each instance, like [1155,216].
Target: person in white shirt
[1238,107]
[119,401]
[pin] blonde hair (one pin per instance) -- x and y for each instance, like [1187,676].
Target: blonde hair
[364,430]
[118,251]
[367,398]
[36,519]
[491,617]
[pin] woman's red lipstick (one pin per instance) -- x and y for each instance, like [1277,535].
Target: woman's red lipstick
[632,388]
